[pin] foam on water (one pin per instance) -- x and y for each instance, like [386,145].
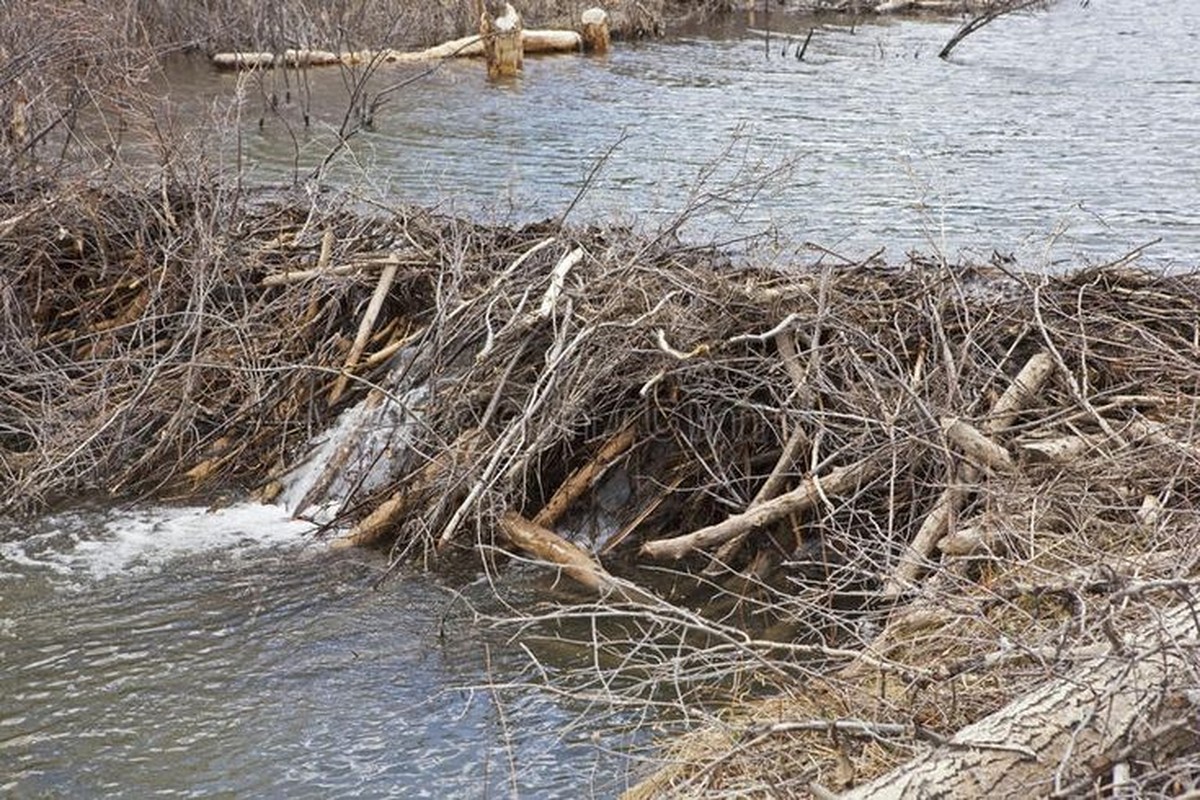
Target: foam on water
[102,544]
[364,448]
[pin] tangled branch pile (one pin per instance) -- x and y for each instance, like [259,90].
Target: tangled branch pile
[901,495]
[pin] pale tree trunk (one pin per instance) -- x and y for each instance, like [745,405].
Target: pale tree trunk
[596,37]
[1059,735]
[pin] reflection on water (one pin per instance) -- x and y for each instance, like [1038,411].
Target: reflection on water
[148,653]
[1075,128]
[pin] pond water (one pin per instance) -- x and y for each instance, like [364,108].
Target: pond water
[1068,135]
[177,651]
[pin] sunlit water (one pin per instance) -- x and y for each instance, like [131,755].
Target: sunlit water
[1062,135]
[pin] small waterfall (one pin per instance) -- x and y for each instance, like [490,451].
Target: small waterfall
[368,445]
[365,447]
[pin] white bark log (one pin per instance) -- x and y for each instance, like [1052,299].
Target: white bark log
[1048,738]
[802,498]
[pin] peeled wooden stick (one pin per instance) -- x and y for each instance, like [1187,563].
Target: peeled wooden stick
[375,525]
[770,489]
[579,480]
[803,497]
[388,514]
[300,275]
[1024,388]
[1060,450]
[1160,435]
[364,330]
[573,559]
[558,280]
[976,446]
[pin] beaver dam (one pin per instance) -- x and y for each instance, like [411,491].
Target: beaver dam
[926,523]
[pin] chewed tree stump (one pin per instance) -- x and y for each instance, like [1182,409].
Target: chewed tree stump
[503,44]
[595,30]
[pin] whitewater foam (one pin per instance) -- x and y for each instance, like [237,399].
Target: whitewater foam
[120,541]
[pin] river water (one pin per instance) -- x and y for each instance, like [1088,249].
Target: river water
[183,651]
[178,651]
[1056,137]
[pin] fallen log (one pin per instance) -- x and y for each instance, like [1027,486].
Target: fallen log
[1054,736]
[803,497]
[571,558]
[533,41]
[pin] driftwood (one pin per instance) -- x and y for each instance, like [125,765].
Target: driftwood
[1044,742]
[571,558]
[532,41]
[802,498]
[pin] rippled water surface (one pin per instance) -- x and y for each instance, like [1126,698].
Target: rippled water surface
[1073,130]
[180,652]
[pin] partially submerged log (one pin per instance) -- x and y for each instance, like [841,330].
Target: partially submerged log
[532,41]
[571,558]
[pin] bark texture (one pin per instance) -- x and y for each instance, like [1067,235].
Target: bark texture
[1051,737]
